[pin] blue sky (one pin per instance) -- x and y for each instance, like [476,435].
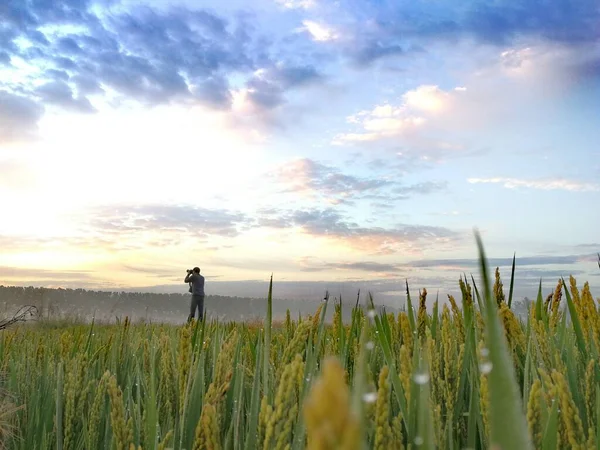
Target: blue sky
[346,141]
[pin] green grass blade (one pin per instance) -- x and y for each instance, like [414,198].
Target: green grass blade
[434,319]
[597,417]
[505,401]
[550,438]
[512,281]
[59,407]
[474,413]
[389,358]
[151,408]
[410,310]
[478,296]
[539,303]
[575,321]
[360,382]
[341,330]
[267,347]
[254,403]
[425,438]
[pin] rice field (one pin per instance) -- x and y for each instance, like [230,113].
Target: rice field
[473,376]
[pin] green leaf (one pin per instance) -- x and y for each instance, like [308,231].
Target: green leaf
[360,383]
[550,438]
[434,319]
[505,401]
[539,303]
[267,348]
[411,311]
[254,403]
[512,281]
[576,322]
[59,406]
[477,296]
[425,433]
[597,417]
[390,360]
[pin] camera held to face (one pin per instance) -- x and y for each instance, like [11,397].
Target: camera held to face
[189,270]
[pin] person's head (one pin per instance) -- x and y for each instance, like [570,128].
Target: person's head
[196,269]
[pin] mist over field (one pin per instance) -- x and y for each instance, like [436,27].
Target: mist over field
[242,300]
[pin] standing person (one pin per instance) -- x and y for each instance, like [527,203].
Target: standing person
[196,282]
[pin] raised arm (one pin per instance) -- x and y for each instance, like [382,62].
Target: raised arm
[188,277]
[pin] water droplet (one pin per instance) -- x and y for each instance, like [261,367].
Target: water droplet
[418,440]
[421,378]
[370,345]
[371,313]
[485,352]
[485,367]
[370,397]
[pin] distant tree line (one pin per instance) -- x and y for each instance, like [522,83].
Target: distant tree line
[85,304]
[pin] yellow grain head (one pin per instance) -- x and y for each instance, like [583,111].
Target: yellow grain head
[330,423]
[184,361]
[458,318]
[121,428]
[422,315]
[498,288]
[465,288]
[383,431]
[555,314]
[569,413]
[279,428]
[207,430]
[534,413]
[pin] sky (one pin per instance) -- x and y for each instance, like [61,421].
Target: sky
[323,142]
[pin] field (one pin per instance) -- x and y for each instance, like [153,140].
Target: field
[471,377]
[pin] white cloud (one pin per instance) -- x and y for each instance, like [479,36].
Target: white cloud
[385,121]
[427,98]
[547,184]
[297,4]
[318,31]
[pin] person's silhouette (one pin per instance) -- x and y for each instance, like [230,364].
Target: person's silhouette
[196,282]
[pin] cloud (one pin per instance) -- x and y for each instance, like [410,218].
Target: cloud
[318,181]
[439,122]
[318,31]
[297,4]
[42,274]
[265,90]
[361,266]
[59,93]
[306,176]
[502,262]
[148,56]
[387,121]
[215,92]
[390,29]
[331,224]
[546,184]
[125,228]
[183,220]
[428,98]
[18,117]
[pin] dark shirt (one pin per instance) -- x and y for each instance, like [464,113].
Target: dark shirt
[197,281]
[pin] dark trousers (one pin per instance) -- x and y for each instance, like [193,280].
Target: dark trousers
[197,302]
